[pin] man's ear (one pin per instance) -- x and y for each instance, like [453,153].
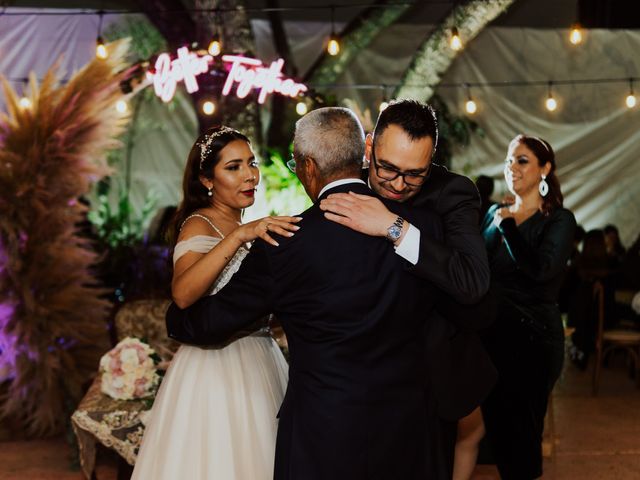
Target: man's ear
[368,146]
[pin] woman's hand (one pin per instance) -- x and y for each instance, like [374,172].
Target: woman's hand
[501,214]
[263,227]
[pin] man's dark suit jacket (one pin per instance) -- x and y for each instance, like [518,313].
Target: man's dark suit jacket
[462,374]
[354,406]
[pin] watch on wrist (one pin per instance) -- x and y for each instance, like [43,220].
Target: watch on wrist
[394,232]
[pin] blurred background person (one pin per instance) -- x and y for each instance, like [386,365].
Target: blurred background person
[529,243]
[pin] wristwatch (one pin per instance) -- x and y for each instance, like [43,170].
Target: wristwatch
[394,232]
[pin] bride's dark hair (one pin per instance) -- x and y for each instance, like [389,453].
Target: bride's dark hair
[203,157]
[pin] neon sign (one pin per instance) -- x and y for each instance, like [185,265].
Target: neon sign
[247,73]
[184,68]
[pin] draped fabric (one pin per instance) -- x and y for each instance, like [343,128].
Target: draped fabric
[596,138]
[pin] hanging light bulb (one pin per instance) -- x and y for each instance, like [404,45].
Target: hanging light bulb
[333,47]
[208,107]
[550,103]
[122,107]
[25,103]
[101,50]
[301,108]
[455,42]
[470,107]
[631,98]
[215,47]
[575,36]
[631,101]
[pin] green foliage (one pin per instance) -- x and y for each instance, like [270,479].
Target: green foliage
[145,38]
[454,131]
[120,227]
[284,192]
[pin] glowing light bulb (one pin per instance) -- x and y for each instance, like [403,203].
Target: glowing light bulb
[470,107]
[575,37]
[25,103]
[383,106]
[301,108]
[215,47]
[455,43]
[551,104]
[208,107]
[333,48]
[122,107]
[630,100]
[101,49]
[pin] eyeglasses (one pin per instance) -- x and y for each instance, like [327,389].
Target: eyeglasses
[389,173]
[291,163]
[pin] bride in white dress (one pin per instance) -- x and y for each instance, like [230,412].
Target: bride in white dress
[215,413]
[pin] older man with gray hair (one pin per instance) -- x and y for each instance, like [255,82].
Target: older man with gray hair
[354,407]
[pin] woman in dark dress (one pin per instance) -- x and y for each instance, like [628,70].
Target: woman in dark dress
[529,243]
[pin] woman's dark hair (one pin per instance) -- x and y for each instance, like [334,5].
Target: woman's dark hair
[203,157]
[544,152]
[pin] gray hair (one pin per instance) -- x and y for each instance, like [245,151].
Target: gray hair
[333,137]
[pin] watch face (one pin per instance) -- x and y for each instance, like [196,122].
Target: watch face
[394,232]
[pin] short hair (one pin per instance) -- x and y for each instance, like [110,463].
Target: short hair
[333,137]
[485,185]
[417,119]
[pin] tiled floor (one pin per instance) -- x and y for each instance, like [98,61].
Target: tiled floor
[595,438]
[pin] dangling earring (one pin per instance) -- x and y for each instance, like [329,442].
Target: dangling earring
[210,191]
[543,187]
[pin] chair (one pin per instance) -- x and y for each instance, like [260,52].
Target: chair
[118,424]
[608,340]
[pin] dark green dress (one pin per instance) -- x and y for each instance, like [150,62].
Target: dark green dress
[526,343]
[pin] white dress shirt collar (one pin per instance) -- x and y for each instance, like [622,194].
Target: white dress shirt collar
[337,183]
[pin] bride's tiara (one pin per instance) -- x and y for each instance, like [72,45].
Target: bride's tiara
[205,144]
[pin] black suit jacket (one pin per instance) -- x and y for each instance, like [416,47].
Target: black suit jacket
[461,372]
[354,407]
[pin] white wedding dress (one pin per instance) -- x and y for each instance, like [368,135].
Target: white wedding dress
[215,413]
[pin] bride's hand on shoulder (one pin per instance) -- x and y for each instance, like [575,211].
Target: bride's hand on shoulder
[263,227]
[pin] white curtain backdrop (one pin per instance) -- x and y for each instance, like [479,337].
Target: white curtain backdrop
[596,138]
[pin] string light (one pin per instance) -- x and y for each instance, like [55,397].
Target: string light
[575,36]
[333,47]
[301,108]
[550,103]
[470,106]
[631,98]
[122,107]
[215,47]
[101,50]
[455,42]
[24,102]
[208,107]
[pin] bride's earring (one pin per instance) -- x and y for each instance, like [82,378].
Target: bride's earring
[543,186]
[210,191]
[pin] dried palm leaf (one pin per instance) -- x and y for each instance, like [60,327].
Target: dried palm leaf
[52,316]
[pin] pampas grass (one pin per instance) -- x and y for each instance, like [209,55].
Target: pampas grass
[52,318]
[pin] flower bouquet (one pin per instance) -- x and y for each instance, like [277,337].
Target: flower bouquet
[129,370]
